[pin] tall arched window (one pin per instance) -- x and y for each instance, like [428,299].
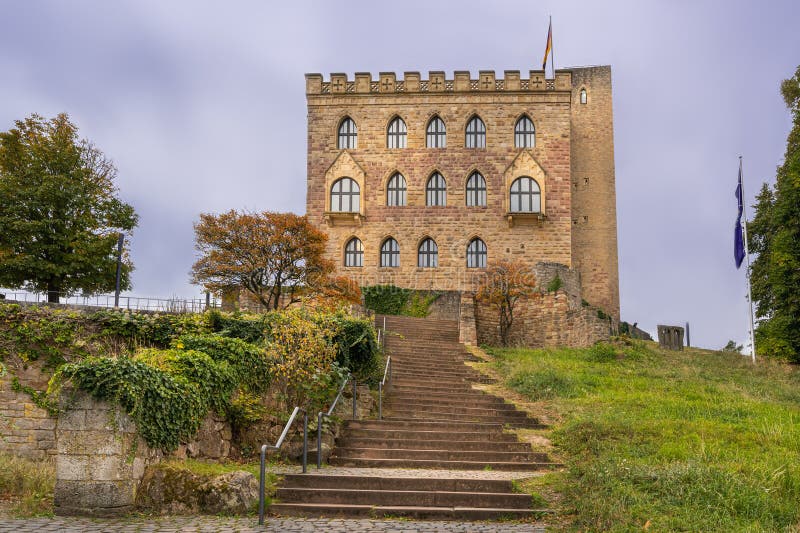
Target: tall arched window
[436,190]
[435,136]
[583,96]
[476,254]
[526,196]
[476,190]
[428,254]
[476,133]
[396,190]
[524,133]
[345,196]
[396,134]
[354,253]
[348,134]
[390,253]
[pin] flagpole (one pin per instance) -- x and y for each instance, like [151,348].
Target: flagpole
[552,49]
[747,273]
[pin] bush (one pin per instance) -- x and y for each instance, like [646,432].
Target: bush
[166,408]
[249,362]
[391,300]
[148,329]
[356,345]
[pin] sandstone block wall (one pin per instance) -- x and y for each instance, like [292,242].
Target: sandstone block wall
[26,430]
[594,197]
[572,159]
[100,458]
[454,225]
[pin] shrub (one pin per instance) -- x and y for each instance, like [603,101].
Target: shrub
[356,345]
[391,300]
[148,329]
[166,408]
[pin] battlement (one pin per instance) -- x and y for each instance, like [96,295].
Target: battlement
[437,82]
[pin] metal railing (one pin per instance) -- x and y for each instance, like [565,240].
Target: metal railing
[387,378]
[321,416]
[265,447]
[107,301]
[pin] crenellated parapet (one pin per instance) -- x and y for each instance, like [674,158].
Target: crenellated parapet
[437,82]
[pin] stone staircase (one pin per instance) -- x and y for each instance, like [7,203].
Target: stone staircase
[433,419]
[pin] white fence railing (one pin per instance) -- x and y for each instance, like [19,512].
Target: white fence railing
[106,301]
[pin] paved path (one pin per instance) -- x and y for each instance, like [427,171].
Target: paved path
[228,525]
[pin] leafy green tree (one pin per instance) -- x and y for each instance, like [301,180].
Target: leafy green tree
[59,213]
[774,235]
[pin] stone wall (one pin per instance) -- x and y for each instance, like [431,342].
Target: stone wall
[546,320]
[100,458]
[446,306]
[452,226]
[26,430]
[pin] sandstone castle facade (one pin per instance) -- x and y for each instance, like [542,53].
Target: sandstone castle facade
[420,182]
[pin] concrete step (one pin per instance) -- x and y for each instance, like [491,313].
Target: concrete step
[485,455]
[325,481]
[377,511]
[351,441]
[407,498]
[399,424]
[469,402]
[439,464]
[404,433]
[444,414]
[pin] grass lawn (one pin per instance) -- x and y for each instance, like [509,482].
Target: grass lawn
[665,441]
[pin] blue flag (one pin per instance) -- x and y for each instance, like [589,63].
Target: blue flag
[738,241]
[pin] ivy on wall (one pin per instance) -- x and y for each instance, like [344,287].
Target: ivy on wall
[392,300]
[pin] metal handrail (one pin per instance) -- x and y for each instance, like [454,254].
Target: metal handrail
[277,446]
[386,372]
[321,415]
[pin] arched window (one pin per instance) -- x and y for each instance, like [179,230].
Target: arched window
[476,190]
[583,96]
[396,134]
[396,190]
[436,137]
[428,254]
[476,133]
[524,133]
[436,190]
[390,253]
[476,254]
[354,253]
[345,196]
[526,196]
[348,135]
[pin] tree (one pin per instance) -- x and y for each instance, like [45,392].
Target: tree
[774,235]
[60,217]
[732,347]
[504,284]
[274,256]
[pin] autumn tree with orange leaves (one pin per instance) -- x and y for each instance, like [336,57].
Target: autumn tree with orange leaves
[277,257]
[504,284]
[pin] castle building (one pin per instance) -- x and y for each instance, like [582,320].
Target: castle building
[420,183]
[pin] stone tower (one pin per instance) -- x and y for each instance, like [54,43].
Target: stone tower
[420,182]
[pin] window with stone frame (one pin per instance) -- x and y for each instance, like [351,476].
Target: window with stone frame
[396,133]
[524,133]
[476,253]
[436,190]
[345,196]
[435,134]
[476,190]
[475,135]
[348,134]
[428,254]
[354,253]
[390,253]
[525,196]
[396,190]
[584,97]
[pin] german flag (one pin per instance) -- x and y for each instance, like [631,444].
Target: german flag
[549,46]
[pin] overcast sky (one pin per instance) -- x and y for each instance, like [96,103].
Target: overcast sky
[201,105]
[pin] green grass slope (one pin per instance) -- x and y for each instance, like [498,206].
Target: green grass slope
[665,441]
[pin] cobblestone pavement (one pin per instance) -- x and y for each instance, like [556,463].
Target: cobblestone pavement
[228,525]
